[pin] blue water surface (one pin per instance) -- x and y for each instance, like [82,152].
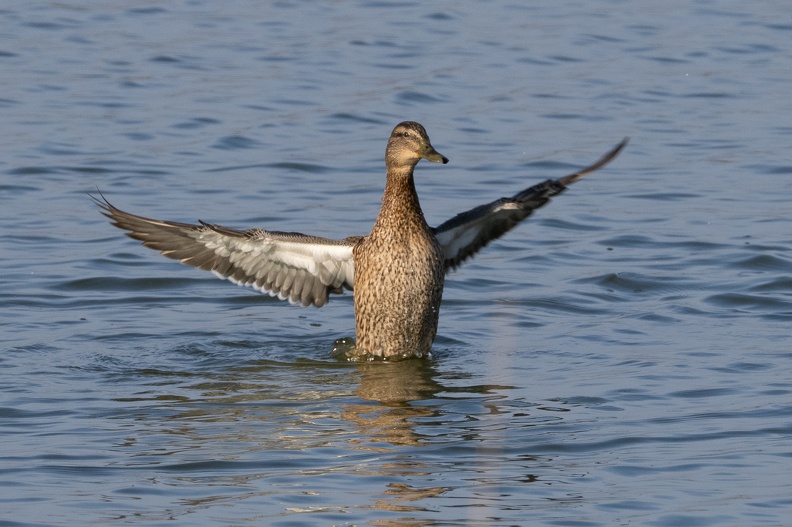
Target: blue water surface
[622,358]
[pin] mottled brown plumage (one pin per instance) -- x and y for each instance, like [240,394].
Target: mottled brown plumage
[397,271]
[399,267]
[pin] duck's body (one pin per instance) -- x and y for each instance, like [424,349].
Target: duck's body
[397,271]
[399,267]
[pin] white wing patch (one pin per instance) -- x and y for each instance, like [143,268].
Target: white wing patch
[297,271]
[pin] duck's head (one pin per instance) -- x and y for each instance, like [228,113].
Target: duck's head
[408,144]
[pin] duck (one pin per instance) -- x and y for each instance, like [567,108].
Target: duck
[396,272]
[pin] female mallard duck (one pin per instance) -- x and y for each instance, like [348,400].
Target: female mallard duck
[397,271]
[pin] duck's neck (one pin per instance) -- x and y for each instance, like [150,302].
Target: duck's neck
[400,203]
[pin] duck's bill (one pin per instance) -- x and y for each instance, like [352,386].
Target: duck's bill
[434,156]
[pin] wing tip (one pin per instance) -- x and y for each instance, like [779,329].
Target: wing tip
[601,162]
[106,207]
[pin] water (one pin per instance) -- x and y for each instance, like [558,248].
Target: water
[620,359]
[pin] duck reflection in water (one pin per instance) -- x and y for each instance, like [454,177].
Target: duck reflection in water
[394,385]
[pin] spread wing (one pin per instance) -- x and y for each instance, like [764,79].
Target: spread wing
[465,234]
[303,269]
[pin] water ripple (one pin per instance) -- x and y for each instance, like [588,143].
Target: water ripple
[620,359]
